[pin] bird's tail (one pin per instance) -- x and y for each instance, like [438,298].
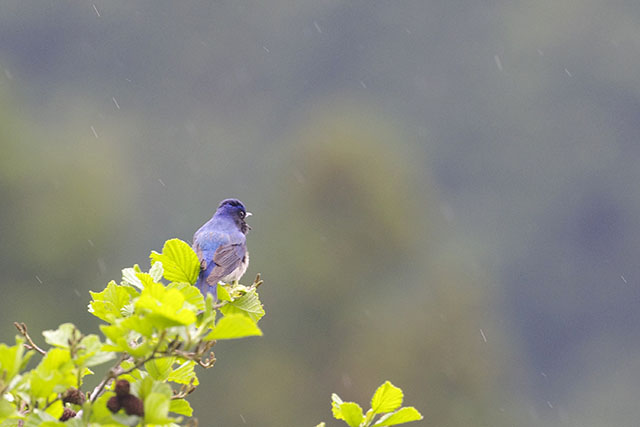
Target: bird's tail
[205,288]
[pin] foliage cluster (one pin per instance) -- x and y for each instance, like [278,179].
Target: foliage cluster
[158,328]
[385,403]
[155,334]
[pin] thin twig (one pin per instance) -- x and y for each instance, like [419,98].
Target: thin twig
[184,391]
[219,305]
[117,370]
[51,403]
[111,374]
[258,281]
[208,363]
[30,345]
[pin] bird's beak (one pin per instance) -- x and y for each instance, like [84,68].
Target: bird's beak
[248,214]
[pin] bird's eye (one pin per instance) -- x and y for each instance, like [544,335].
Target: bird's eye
[241,215]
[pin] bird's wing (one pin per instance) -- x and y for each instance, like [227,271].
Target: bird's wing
[227,258]
[205,242]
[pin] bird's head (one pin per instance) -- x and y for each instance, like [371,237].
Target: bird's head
[234,209]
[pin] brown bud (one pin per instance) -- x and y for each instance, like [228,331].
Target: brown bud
[73,395]
[122,388]
[68,413]
[113,404]
[132,405]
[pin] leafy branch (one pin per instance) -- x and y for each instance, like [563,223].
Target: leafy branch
[385,403]
[29,345]
[157,327]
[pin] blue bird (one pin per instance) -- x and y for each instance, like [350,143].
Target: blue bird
[221,246]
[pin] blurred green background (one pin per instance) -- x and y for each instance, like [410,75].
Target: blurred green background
[445,194]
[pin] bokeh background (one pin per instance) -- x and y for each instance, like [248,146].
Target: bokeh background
[445,194]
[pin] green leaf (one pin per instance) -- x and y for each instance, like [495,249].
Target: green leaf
[61,336]
[90,352]
[404,415]
[7,409]
[207,318]
[108,304]
[234,326]
[48,424]
[119,336]
[156,271]
[208,304]
[335,406]
[160,369]
[180,406]
[322,425]
[184,373]
[39,418]
[192,295]
[387,398]
[248,304]
[223,293]
[98,413]
[148,385]
[179,261]
[368,417]
[156,408]
[130,278]
[13,359]
[164,306]
[133,376]
[140,324]
[54,373]
[351,413]
[74,422]
[55,409]
[145,279]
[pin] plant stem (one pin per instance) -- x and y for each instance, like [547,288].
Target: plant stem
[22,328]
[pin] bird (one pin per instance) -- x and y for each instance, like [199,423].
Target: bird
[221,246]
